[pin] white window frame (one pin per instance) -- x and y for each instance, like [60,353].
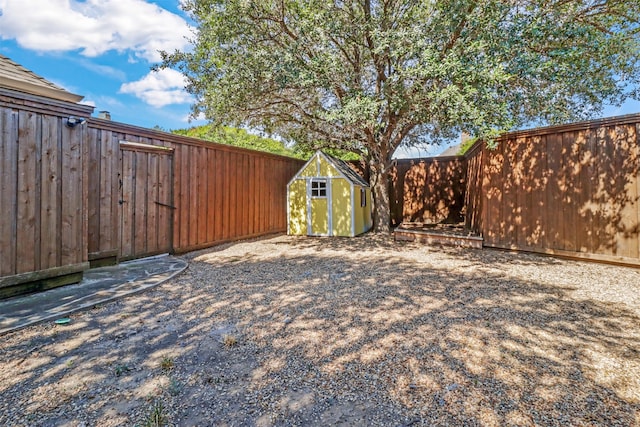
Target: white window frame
[319,191]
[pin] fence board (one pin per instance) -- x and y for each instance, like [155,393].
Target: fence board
[153,182]
[510,215]
[553,194]
[567,190]
[492,188]
[232,175]
[252,191]
[94,192]
[127,198]
[590,178]
[50,203]
[246,173]
[198,197]
[270,199]
[226,207]
[184,195]
[165,213]
[110,188]
[473,191]
[536,162]
[219,197]
[580,194]
[141,202]
[607,173]
[626,162]
[637,149]
[522,168]
[212,215]
[263,198]
[192,213]
[8,190]
[28,196]
[73,203]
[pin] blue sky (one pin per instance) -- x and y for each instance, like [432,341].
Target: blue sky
[104,49]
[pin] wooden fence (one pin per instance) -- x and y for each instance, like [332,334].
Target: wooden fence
[104,191]
[217,193]
[567,190]
[571,190]
[473,195]
[428,190]
[43,227]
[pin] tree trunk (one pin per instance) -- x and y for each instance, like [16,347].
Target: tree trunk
[379,181]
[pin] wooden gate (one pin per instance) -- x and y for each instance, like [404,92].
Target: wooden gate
[146,200]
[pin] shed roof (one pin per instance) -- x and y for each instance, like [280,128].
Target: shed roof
[15,76]
[344,169]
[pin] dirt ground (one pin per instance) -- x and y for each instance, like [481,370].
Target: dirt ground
[365,331]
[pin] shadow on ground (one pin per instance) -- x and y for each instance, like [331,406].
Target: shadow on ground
[340,332]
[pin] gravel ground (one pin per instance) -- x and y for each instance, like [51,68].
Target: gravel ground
[365,331]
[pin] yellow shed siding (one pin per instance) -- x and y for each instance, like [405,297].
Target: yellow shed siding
[309,170]
[327,169]
[341,207]
[362,213]
[319,216]
[298,207]
[338,214]
[359,214]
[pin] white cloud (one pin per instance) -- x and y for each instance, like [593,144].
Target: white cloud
[93,26]
[190,119]
[104,70]
[159,88]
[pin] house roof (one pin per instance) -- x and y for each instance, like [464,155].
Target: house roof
[15,76]
[345,170]
[451,151]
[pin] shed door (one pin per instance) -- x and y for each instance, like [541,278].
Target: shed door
[319,207]
[146,201]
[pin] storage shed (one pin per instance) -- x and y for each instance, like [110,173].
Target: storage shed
[328,198]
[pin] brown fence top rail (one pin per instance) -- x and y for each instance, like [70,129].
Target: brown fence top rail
[173,138]
[570,127]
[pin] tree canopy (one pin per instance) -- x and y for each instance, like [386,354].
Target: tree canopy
[368,76]
[238,138]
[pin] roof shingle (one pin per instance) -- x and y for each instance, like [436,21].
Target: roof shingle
[15,76]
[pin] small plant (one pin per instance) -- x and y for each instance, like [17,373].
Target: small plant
[121,370]
[156,416]
[229,340]
[167,364]
[174,387]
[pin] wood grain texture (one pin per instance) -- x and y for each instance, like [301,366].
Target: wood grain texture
[49,194]
[60,189]
[28,193]
[8,190]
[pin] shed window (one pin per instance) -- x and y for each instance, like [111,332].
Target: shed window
[363,197]
[319,188]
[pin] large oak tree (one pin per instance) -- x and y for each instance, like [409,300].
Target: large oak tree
[371,75]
